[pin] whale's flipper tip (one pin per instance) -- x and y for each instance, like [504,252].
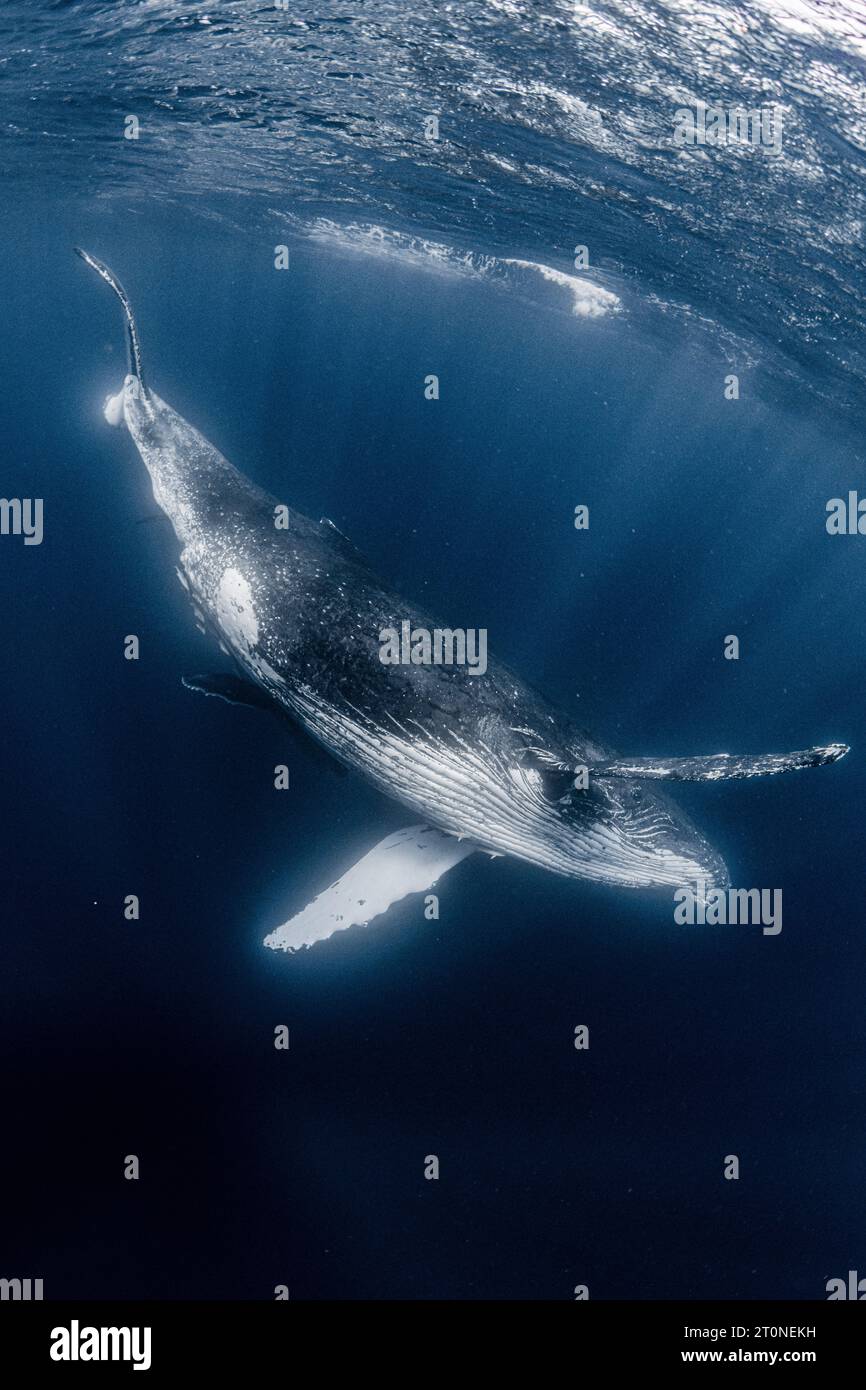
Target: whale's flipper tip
[831,753]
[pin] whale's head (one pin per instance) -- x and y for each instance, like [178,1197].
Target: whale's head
[607,821]
[625,832]
[613,830]
[615,820]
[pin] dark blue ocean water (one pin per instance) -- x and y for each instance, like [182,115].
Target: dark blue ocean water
[409,1037]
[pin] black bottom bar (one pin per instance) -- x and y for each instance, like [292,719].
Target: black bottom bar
[168,1339]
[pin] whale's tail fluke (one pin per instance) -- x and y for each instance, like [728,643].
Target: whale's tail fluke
[133,342]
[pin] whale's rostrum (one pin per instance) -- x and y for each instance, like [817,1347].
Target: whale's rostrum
[482,762]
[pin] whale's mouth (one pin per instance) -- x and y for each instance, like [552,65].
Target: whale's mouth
[621,834]
[705,874]
[667,848]
[623,865]
[599,842]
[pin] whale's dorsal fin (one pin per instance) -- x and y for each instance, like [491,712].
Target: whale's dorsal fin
[334,528]
[234,690]
[347,546]
[407,862]
[718,767]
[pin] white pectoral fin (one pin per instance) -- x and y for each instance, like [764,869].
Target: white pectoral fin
[406,862]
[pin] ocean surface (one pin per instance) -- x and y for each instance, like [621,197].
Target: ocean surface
[601,385]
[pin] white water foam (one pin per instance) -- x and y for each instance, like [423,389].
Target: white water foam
[588,299]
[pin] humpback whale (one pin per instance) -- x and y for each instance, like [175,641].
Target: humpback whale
[484,764]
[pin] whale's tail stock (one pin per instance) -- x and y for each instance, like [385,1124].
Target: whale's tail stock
[133,342]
